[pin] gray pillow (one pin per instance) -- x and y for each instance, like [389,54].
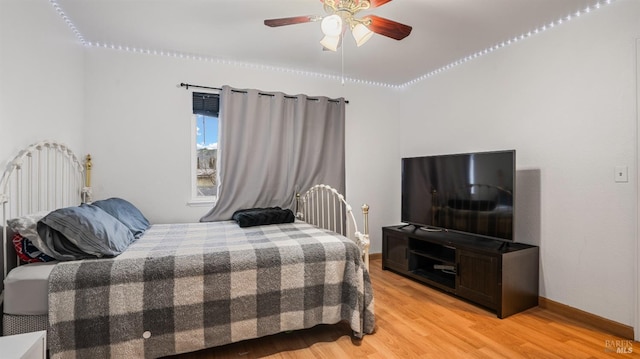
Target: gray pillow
[126,213]
[83,232]
[27,227]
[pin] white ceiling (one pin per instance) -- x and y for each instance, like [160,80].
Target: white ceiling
[444,31]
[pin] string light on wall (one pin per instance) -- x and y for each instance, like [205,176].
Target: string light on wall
[66,19]
[502,44]
[177,54]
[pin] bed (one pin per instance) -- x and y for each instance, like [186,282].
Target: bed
[178,287]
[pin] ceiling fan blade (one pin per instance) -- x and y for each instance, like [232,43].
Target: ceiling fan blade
[291,20]
[376,3]
[388,28]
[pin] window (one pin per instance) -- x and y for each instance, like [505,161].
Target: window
[204,150]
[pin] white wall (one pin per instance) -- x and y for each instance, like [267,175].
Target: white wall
[138,130]
[565,100]
[41,78]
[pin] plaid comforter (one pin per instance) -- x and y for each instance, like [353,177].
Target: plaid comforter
[185,287]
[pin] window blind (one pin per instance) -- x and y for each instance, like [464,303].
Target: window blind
[207,104]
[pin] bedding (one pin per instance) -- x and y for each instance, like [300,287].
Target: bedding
[26,289]
[27,251]
[185,287]
[26,226]
[125,212]
[82,232]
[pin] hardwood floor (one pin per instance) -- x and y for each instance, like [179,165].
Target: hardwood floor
[415,321]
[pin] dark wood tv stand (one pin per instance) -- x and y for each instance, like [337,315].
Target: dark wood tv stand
[500,276]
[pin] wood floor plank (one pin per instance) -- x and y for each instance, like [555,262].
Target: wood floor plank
[416,321]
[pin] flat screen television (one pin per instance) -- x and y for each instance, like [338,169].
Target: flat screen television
[471,193]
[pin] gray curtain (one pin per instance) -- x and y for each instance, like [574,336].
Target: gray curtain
[273,146]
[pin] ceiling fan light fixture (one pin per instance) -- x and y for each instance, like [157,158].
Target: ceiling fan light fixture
[330,42]
[361,34]
[341,14]
[331,25]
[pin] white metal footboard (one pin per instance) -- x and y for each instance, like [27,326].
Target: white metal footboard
[322,206]
[45,176]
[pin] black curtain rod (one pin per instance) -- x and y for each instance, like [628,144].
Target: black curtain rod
[186,86]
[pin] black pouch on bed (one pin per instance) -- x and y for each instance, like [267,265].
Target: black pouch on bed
[261,216]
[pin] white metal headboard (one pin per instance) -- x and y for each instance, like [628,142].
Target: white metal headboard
[322,206]
[44,176]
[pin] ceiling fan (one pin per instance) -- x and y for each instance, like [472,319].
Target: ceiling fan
[341,14]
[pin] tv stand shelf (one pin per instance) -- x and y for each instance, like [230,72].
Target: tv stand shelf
[430,256]
[501,276]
